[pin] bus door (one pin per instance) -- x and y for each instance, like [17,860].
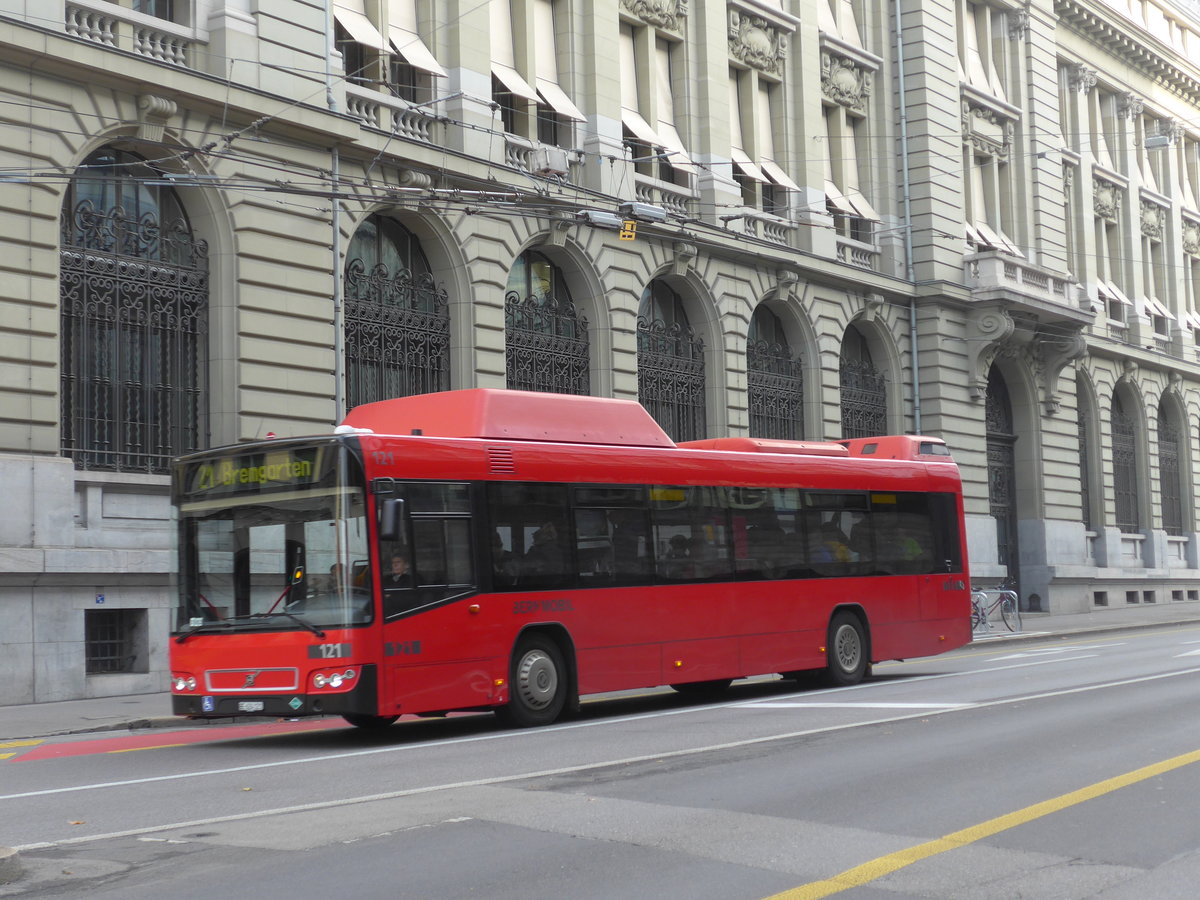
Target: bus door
[432,639]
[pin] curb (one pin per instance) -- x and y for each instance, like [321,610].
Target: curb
[10,865]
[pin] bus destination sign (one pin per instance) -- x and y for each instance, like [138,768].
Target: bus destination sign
[257,471]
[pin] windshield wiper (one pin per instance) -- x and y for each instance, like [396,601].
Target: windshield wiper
[295,618]
[228,623]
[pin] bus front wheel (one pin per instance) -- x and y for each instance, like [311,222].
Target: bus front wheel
[537,684]
[846,650]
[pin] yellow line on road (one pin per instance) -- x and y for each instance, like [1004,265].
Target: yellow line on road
[155,747]
[885,865]
[29,743]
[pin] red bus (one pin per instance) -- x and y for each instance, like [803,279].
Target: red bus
[510,550]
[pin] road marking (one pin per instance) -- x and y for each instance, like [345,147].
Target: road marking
[1188,653]
[1046,651]
[521,776]
[885,865]
[32,742]
[805,704]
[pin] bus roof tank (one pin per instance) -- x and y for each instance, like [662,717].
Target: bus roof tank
[494,414]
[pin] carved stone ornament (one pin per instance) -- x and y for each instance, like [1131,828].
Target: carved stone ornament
[685,255]
[153,113]
[1018,24]
[987,131]
[844,82]
[667,14]
[1191,237]
[1106,199]
[411,178]
[1130,106]
[994,333]
[1153,220]
[1082,79]
[757,43]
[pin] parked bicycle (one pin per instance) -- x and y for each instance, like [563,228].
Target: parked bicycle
[985,602]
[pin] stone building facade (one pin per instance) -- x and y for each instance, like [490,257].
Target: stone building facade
[221,219]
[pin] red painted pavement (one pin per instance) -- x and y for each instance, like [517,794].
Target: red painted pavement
[154,739]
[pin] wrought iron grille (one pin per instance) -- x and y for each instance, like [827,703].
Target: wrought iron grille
[671,377]
[864,399]
[775,382]
[397,331]
[546,345]
[1124,437]
[134,348]
[1168,477]
[109,640]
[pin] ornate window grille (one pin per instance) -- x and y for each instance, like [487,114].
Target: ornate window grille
[670,364]
[397,320]
[775,381]
[1168,475]
[546,341]
[864,390]
[134,306]
[1124,438]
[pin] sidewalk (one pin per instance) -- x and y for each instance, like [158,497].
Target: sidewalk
[37,720]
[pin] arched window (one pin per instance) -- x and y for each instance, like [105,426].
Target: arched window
[1170,485]
[670,364]
[774,380]
[1125,486]
[134,306]
[864,390]
[397,320]
[546,344]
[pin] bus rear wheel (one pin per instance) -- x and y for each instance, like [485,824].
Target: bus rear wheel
[537,684]
[845,650]
[358,720]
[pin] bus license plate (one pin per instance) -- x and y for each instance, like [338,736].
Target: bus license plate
[250,706]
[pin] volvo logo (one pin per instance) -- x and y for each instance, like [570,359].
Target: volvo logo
[251,677]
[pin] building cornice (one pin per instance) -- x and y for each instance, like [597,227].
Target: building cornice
[1145,53]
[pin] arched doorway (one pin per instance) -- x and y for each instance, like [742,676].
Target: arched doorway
[1002,475]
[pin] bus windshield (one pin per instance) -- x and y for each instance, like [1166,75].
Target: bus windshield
[273,540]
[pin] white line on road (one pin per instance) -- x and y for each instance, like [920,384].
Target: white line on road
[508,779]
[803,704]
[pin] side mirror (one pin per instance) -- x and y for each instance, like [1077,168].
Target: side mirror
[391,520]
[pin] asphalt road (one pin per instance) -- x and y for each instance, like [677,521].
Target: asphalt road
[1057,770]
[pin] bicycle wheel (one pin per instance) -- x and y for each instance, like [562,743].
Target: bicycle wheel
[978,616]
[1010,614]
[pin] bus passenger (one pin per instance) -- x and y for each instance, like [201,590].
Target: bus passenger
[398,577]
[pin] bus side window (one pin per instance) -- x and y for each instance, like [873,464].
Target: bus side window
[535,531]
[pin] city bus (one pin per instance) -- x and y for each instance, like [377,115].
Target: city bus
[515,551]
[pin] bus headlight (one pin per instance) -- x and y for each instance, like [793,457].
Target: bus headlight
[339,679]
[183,683]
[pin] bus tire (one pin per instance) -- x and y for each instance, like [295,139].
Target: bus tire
[537,683]
[369,723]
[703,688]
[846,658]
